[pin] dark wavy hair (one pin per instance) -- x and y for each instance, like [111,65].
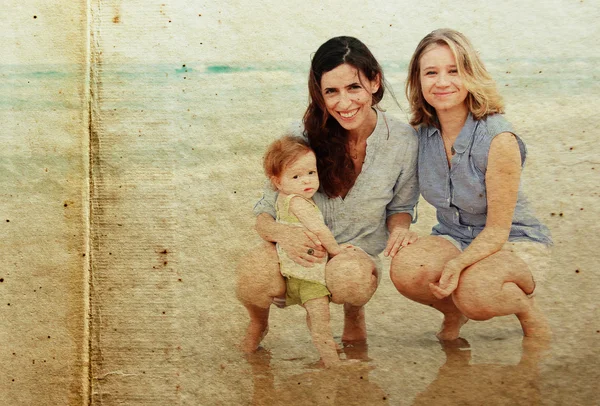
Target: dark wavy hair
[326,136]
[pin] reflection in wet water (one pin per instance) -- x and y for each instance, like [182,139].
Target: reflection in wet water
[461,383]
[347,384]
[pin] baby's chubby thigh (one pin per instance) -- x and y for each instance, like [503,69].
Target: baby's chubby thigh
[352,277]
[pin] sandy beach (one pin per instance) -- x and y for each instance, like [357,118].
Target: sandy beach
[404,363]
[132,142]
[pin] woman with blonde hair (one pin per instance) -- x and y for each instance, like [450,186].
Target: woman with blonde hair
[483,258]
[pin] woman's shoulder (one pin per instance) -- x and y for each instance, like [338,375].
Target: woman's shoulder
[487,129]
[397,129]
[494,124]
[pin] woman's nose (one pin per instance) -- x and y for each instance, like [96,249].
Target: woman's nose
[344,101]
[442,80]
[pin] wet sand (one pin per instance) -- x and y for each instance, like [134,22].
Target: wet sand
[404,363]
[171,218]
[175,173]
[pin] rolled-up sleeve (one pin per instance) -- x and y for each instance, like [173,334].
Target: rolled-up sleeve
[406,189]
[266,204]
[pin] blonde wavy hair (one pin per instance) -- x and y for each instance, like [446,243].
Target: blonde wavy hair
[483,98]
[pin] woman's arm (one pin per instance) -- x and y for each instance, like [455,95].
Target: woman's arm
[295,241]
[401,210]
[502,186]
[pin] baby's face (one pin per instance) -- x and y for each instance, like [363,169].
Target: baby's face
[300,177]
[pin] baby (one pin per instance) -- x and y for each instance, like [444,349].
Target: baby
[291,166]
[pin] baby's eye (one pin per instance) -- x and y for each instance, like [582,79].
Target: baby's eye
[295,177]
[453,70]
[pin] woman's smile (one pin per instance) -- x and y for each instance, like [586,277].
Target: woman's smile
[348,114]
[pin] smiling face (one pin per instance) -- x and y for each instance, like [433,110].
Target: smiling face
[441,83]
[348,97]
[300,177]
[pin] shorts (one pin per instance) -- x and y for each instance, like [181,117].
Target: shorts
[300,291]
[535,254]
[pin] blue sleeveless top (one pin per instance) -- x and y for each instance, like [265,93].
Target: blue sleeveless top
[459,193]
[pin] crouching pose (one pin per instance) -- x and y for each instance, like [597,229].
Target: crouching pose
[485,255]
[368,188]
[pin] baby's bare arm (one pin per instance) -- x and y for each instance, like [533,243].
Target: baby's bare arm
[311,220]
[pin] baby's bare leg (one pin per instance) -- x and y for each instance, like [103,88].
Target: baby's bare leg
[320,329]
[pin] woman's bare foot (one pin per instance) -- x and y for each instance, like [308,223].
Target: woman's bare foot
[355,327]
[255,333]
[534,323]
[451,326]
[356,350]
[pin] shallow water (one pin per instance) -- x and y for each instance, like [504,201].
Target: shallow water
[181,153]
[406,364]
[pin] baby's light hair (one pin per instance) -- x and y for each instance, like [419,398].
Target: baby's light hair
[282,153]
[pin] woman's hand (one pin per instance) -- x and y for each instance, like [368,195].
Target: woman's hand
[448,281]
[400,237]
[302,246]
[342,248]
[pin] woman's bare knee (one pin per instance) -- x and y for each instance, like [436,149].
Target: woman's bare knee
[258,276]
[351,277]
[417,265]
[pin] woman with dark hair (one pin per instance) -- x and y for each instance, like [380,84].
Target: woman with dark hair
[486,255]
[367,171]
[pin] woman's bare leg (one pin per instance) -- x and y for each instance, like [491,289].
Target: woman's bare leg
[258,282]
[498,286]
[320,329]
[352,280]
[419,264]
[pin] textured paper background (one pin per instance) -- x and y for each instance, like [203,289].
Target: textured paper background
[184,98]
[43,203]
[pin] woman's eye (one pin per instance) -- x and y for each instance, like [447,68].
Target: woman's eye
[430,72]
[312,172]
[329,91]
[295,177]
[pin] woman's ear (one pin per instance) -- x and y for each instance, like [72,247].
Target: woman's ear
[376,84]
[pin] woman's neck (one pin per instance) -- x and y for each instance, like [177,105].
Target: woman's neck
[451,122]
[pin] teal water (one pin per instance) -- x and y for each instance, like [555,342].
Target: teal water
[26,87]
